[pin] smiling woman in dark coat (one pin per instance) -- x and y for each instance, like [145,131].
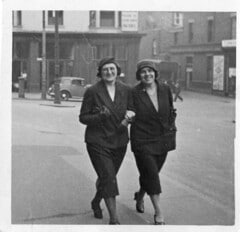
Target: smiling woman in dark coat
[152,134]
[107,109]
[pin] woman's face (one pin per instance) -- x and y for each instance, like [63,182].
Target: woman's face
[147,75]
[109,72]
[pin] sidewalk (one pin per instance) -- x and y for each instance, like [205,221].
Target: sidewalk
[38,96]
[182,203]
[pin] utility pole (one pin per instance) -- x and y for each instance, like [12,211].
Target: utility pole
[57,99]
[44,79]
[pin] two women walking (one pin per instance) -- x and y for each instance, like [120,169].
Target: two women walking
[107,109]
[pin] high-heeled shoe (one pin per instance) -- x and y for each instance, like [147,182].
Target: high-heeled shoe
[158,222]
[139,203]
[97,211]
[114,223]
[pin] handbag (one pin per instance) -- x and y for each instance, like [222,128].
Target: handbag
[169,135]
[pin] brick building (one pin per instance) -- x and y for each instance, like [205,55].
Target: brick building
[203,43]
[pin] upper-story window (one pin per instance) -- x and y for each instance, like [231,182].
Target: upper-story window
[175,34]
[233,27]
[52,15]
[120,19]
[190,32]
[177,19]
[107,18]
[154,47]
[210,30]
[17,18]
[92,18]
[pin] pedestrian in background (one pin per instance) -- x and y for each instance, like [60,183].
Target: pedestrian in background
[177,91]
[107,109]
[152,134]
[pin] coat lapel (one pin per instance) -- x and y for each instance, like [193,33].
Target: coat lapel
[106,99]
[146,99]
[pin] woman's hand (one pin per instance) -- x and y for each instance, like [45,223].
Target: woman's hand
[129,115]
[105,111]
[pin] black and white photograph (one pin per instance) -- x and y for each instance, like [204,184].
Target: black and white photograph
[119,116]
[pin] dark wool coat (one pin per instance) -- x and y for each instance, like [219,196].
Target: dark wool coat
[150,129]
[106,131]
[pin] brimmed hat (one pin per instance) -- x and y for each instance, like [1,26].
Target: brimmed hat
[143,64]
[107,60]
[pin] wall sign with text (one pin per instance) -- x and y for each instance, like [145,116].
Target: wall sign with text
[129,21]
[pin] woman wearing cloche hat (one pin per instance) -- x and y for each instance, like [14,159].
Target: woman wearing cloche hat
[107,109]
[152,134]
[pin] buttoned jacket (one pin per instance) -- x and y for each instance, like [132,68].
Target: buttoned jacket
[150,125]
[106,131]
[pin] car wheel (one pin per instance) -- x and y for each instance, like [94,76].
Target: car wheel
[65,95]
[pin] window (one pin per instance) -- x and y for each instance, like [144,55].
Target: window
[101,50]
[107,18]
[119,52]
[175,38]
[17,18]
[78,82]
[154,47]
[233,27]
[21,50]
[120,19]
[66,50]
[189,61]
[92,18]
[209,68]
[210,30]
[190,32]
[52,15]
[178,19]
[50,50]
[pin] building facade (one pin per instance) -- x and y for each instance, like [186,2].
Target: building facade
[203,43]
[84,38]
[206,50]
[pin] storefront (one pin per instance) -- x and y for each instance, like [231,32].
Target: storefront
[229,50]
[79,55]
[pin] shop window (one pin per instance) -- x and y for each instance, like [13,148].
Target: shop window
[52,15]
[17,18]
[190,32]
[209,68]
[107,18]
[210,31]
[50,50]
[101,50]
[66,50]
[21,50]
[119,52]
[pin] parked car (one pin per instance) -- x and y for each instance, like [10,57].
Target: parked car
[70,87]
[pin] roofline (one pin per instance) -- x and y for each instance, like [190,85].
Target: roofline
[76,34]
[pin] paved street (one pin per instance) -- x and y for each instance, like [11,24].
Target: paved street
[53,180]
